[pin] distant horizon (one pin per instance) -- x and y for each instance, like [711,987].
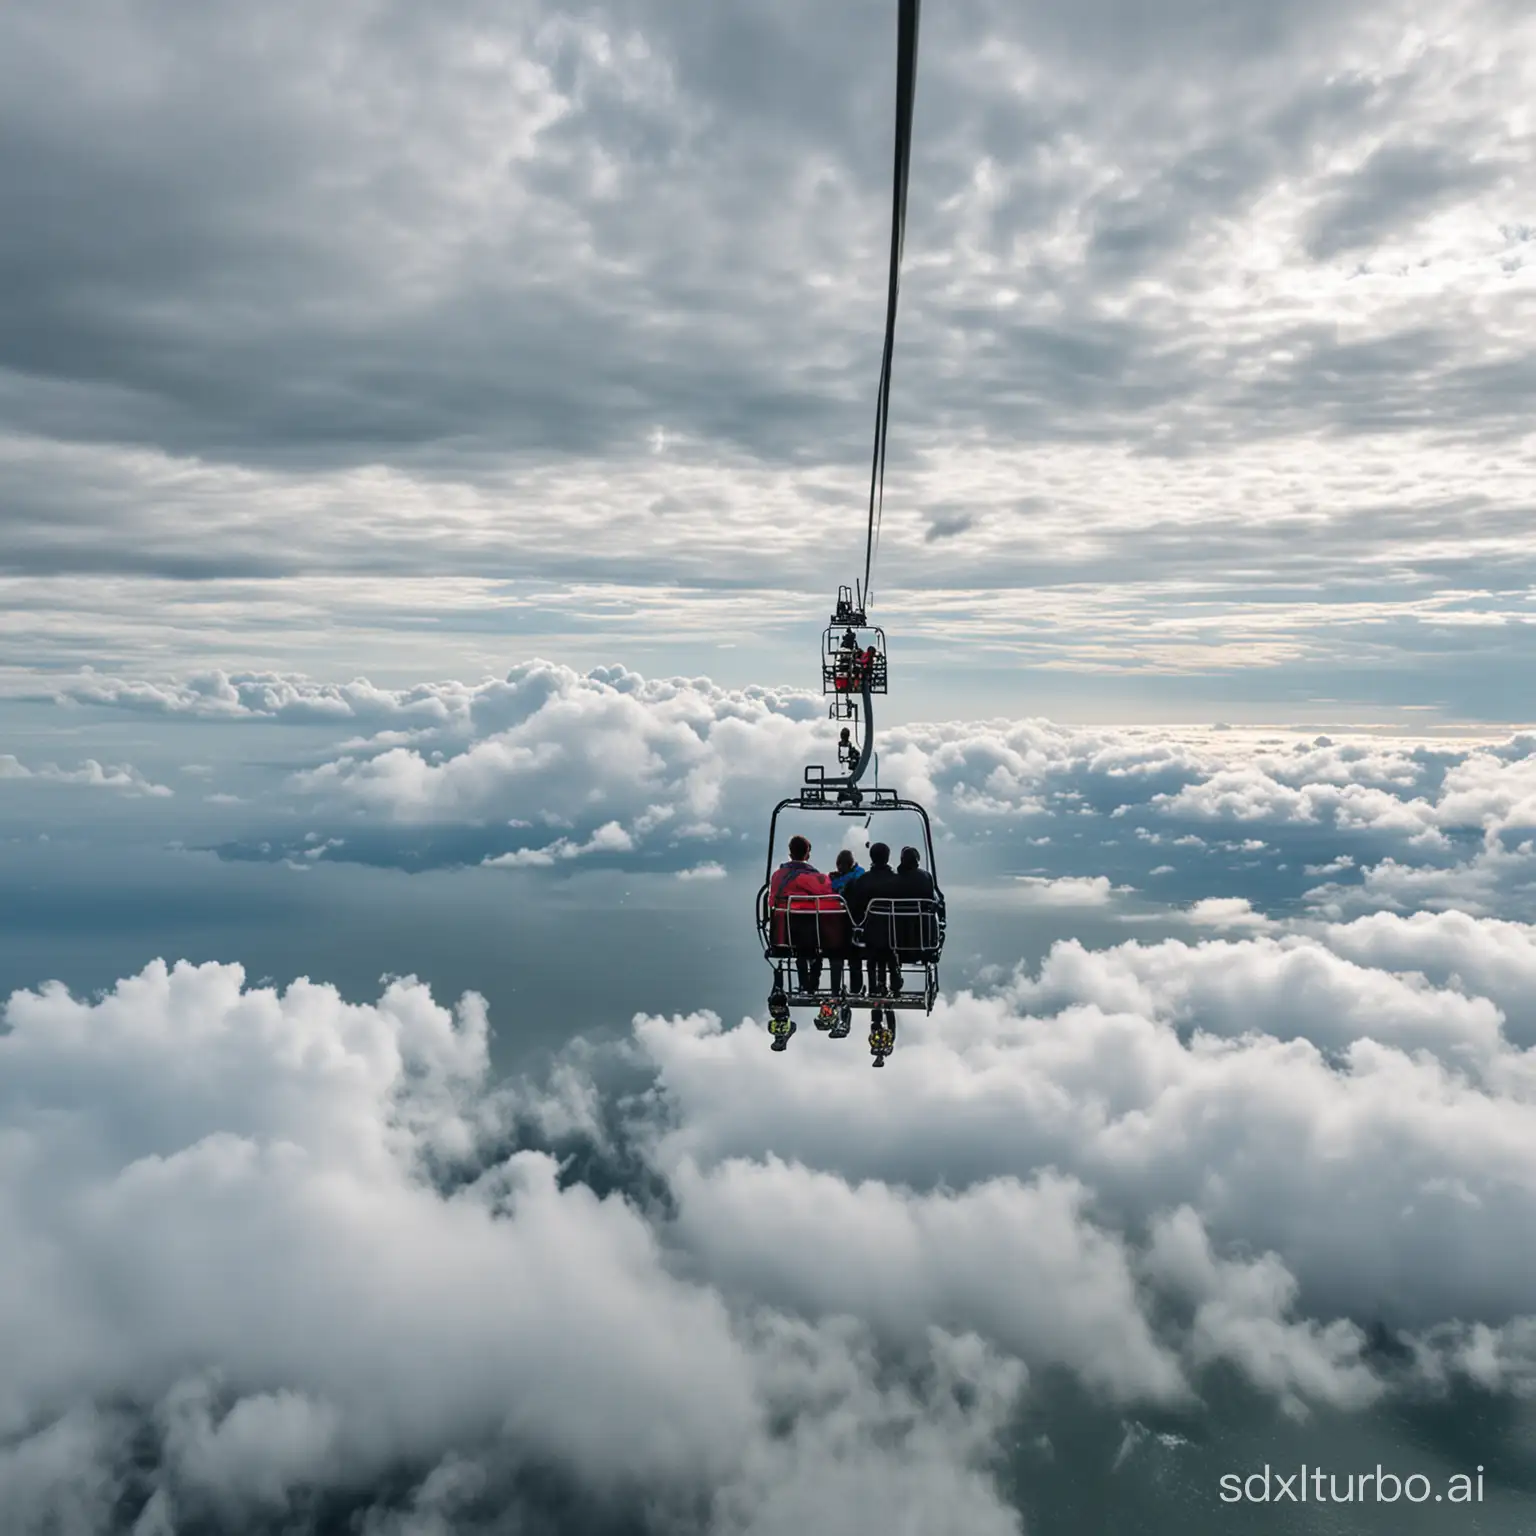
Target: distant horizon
[913,699]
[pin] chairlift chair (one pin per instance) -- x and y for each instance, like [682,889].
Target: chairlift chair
[819,929]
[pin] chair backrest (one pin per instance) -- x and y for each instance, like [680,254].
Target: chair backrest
[903,922]
[817,924]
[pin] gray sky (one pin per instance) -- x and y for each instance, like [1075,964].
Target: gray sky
[355,341]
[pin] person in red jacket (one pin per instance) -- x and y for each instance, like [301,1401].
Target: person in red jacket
[816,925]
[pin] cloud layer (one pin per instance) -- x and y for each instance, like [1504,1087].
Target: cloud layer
[301,1252]
[122,776]
[547,766]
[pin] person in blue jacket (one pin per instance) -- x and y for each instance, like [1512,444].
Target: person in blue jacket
[846,870]
[846,873]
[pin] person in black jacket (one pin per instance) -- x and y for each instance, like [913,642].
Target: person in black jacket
[878,881]
[915,931]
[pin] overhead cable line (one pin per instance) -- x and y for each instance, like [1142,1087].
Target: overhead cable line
[906,87]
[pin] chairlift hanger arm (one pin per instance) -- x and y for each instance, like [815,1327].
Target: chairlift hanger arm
[868,748]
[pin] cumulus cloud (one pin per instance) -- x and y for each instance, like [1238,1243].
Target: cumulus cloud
[1290,988]
[549,765]
[1333,867]
[307,1269]
[1069,891]
[1364,1126]
[275,1277]
[664,764]
[93,775]
[688,742]
[1226,912]
[609,838]
[328,1256]
[1251,795]
[1485,957]
[708,870]
[273,696]
[620,764]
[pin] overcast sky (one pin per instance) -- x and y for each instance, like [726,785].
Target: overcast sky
[430,440]
[354,339]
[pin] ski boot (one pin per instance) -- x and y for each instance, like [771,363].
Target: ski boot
[826,1016]
[882,1037]
[844,1023]
[780,1025]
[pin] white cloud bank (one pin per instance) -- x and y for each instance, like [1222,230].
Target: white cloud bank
[90,773]
[295,1243]
[215,1210]
[617,763]
[1070,891]
[614,756]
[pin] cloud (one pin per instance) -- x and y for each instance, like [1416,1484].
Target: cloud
[1396,186]
[1290,987]
[1480,956]
[691,746]
[708,870]
[90,773]
[654,758]
[948,525]
[272,696]
[1250,794]
[1238,1315]
[1334,867]
[905,1261]
[609,838]
[1495,880]
[1226,912]
[1092,891]
[1364,1126]
[548,765]
[667,764]
[293,1303]
[329,1258]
